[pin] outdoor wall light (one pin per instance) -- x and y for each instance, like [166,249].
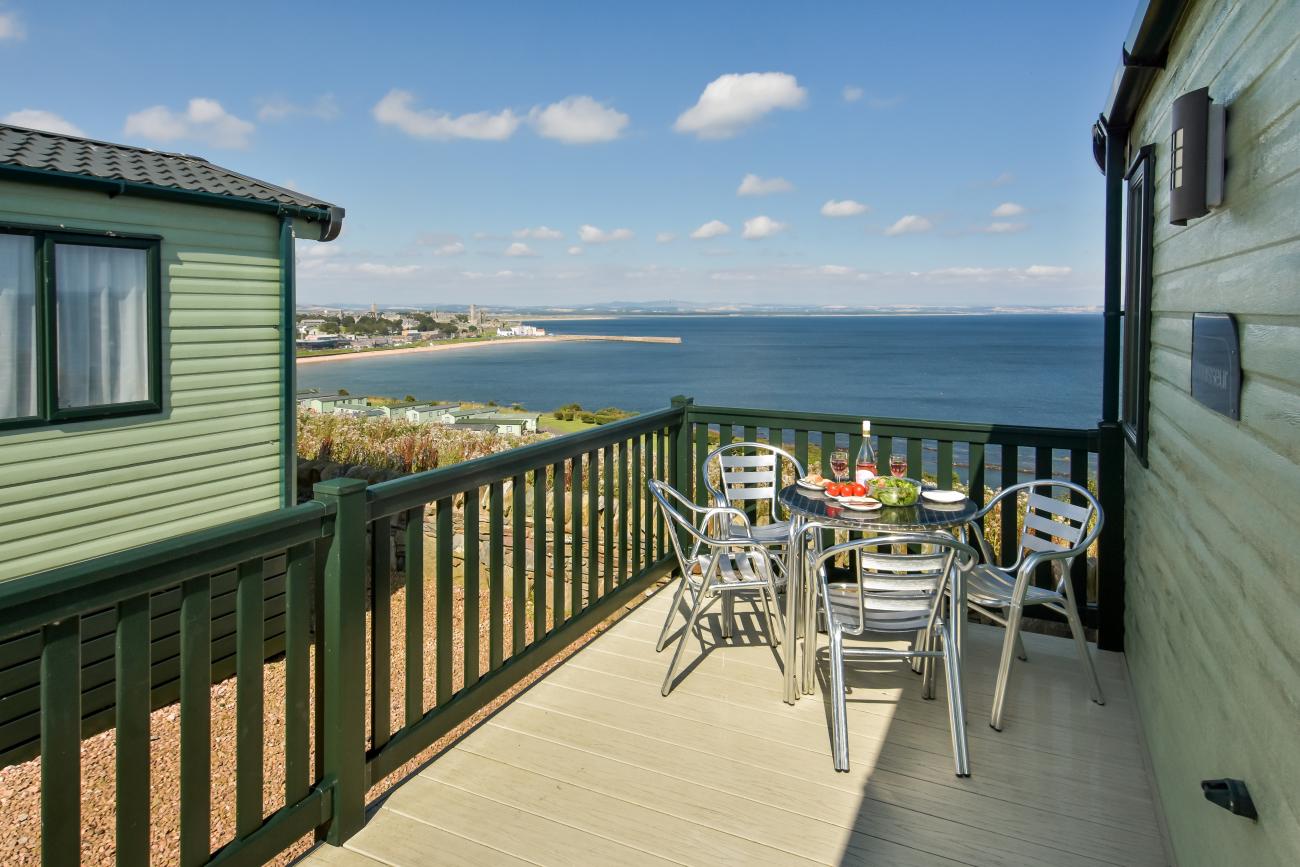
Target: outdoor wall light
[1196,156]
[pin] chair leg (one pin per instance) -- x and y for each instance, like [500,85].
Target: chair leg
[839,708]
[728,615]
[700,598]
[1085,656]
[772,608]
[1004,665]
[1021,654]
[956,705]
[916,661]
[928,665]
[668,621]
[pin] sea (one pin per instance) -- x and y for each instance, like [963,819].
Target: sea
[1021,369]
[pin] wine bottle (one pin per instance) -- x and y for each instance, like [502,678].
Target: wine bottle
[866,464]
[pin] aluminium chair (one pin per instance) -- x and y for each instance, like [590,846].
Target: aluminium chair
[893,596]
[1052,530]
[723,566]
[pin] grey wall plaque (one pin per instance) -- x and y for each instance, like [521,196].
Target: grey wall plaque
[1216,363]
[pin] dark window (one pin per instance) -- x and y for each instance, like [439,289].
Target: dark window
[81,319]
[1138,224]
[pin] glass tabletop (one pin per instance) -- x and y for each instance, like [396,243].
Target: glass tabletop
[923,516]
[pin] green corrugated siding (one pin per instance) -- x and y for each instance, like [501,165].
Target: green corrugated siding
[73,491]
[1213,585]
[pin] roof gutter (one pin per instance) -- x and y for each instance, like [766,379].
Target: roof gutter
[1145,49]
[328,218]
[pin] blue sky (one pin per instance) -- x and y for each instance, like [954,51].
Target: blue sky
[472,143]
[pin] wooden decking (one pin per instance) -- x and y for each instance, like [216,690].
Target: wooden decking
[593,766]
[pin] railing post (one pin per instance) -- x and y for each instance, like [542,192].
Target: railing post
[344,663]
[679,466]
[1110,545]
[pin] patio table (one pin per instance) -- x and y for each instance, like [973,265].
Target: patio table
[814,507]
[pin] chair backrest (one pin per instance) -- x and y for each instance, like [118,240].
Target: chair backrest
[1056,525]
[747,472]
[893,587]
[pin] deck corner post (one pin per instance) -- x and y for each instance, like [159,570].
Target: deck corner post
[680,446]
[1110,545]
[344,663]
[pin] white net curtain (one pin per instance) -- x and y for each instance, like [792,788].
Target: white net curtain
[101,308]
[17,326]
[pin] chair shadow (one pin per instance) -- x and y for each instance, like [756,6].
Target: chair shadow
[749,629]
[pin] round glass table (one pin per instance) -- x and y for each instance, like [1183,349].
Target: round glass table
[812,507]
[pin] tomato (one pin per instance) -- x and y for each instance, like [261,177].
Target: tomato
[834,489]
[859,490]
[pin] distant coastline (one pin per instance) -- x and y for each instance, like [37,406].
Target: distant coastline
[513,341]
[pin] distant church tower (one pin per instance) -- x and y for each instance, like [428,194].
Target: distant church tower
[473,315]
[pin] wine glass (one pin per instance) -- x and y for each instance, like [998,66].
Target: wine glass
[897,465]
[840,464]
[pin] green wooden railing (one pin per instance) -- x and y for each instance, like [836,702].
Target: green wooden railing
[547,540]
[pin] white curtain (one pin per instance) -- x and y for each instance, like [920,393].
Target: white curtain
[17,326]
[102,319]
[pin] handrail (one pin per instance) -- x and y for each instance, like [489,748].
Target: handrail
[408,492]
[974,432]
[46,597]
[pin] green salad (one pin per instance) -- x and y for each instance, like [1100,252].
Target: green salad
[894,491]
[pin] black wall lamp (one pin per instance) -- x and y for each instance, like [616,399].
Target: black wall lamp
[1196,156]
[1231,795]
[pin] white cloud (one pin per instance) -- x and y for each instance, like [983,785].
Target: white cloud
[11,26]
[711,229]
[1048,271]
[35,118]
[593,235]
[843,208]
[852,93]
[835,270]
[397,109]
[753,185]
[732,102]
[519,248]
[666,237]
[1007,209]
[909,224]
[385,270]
[761,227]
[203,120]
[578,120]
[323,107]
[540,233]
[575,250]
[1002,227]
[451,248]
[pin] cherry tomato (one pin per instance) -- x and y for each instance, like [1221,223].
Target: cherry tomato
[834,489]
[859,490]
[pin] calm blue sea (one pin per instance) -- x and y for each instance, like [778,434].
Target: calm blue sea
[1013,369]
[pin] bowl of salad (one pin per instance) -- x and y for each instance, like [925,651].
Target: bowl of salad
[895,491]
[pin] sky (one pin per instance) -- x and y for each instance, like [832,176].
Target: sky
[855,154]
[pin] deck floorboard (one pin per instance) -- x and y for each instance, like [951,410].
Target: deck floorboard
[592,765]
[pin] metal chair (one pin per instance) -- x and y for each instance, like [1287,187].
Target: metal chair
[751,472]
[713,566]
[895,594]
[1052,530]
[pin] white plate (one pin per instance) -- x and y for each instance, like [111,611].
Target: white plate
[811,486]
[867,504]
[944,496]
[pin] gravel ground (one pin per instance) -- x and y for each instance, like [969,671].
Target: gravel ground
[20,784]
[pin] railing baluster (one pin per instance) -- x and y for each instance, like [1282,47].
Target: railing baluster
[1043,470]
[471,563]
[519,564]
[558,566]
[593,526]
[624,503]
[61,743]
[1009,531]
[444,599]
[661,462]
[801,447]
[414,625]
[647,532]
[944,474]
[975,472]
[915,458]
[607,529]
[539,553]
[196,720]
[575,537]
[496,575]
[1079,569]
[131,652]
[884,451]
[299,564]
[381,632]
[638,494]
[250,653]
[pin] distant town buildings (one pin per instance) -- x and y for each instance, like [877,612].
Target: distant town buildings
[502,421]
[521,331]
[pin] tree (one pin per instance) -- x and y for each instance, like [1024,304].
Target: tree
[410,398]
[343,392]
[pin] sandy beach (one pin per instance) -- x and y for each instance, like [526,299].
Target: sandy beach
[447,347]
